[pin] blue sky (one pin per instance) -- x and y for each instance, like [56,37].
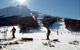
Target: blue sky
[64,8]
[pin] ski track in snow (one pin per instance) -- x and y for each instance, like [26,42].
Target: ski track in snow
[36,44]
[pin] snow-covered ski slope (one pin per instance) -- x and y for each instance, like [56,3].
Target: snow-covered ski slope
[36,44]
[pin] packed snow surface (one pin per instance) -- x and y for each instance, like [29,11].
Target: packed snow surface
[64,38]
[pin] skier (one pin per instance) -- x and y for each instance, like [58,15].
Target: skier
[48,33]
[13,32]
[57,33]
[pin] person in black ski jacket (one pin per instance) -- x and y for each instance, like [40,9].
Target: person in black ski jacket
[48,33]
[13,32]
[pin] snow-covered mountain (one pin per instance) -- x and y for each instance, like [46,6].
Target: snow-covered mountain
[12,11]
[40,15]
[19,10]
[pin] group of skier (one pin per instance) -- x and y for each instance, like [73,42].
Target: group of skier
[13,30]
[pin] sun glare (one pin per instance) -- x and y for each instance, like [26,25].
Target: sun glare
[21,1]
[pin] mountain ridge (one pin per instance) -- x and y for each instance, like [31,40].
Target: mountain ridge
[12,11]
[19,10]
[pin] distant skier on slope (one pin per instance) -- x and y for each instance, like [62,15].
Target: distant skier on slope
[13,32]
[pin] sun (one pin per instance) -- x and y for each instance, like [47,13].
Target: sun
[21,1]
